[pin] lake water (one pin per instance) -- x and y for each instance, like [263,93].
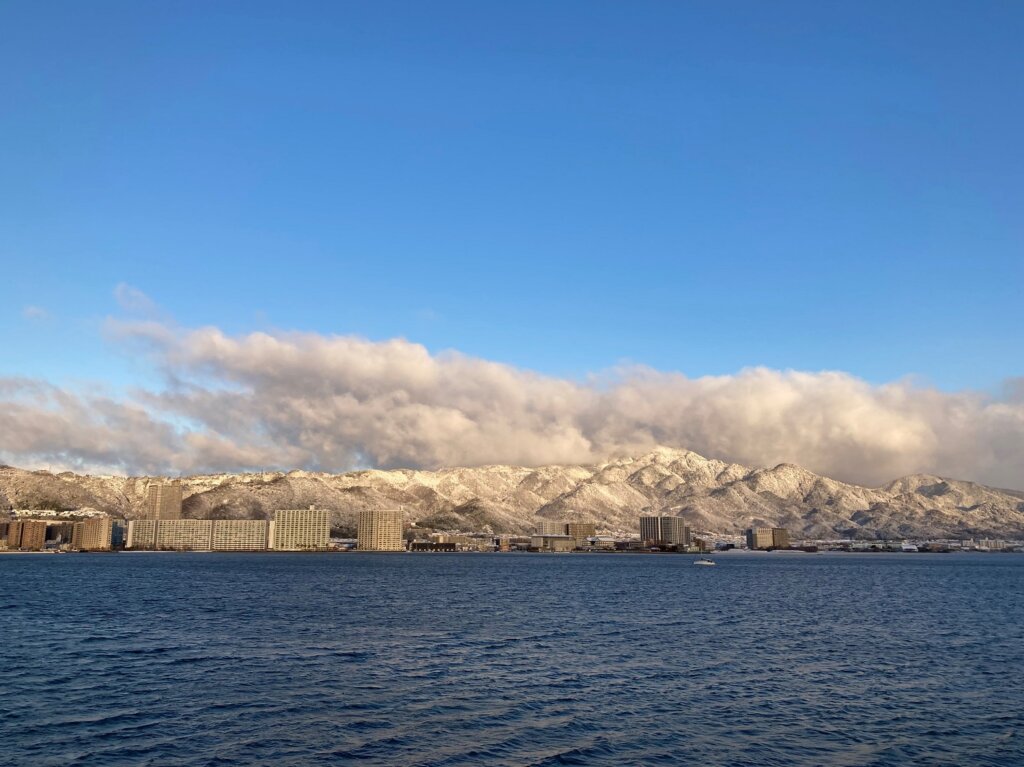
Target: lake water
[511,659]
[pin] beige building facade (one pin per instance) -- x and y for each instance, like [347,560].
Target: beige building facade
[760,538]
[670,530]
[239,535]
[184,534]
[549,526]
[301,529]
[163,500]
[93,534]
[26,534]
[580,532]
[380,530]
[141,534]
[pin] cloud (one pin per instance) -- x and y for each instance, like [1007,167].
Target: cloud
[133,300]
[337,402]
[35,313]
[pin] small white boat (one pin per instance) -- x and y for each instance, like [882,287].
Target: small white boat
[705,562]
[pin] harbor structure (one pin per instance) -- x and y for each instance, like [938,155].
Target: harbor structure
[301,529]
[380,530]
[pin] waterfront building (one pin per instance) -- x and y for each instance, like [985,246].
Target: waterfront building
[381,530]
[580,532]
[780,538]
[549,527]
[431,546]
[552,542]
[760,538]
[26,534]
[239,535]
[60,533]
[664,530]
[93,534]
[163,500]
[141,534]
[183,534]
[301,529]
[118,533]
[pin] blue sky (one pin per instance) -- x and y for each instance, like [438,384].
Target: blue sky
[699,187]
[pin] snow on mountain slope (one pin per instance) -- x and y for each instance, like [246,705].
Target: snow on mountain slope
[709,493]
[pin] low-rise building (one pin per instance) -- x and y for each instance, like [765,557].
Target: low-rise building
[552,542]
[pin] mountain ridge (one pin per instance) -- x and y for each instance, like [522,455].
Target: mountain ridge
[711,494]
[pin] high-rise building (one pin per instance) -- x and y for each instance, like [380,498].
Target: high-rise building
[239,535]
[760,538]
[60,533]
[141,534]
[780,538]
[163,500]
[93,534]
[664,530]
[549,526]
[581,531]
[183,534]
[380,530]
[26,534]
[301,529]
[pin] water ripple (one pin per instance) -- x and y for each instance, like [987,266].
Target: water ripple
[202,660]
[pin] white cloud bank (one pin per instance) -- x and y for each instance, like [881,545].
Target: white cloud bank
[336,402]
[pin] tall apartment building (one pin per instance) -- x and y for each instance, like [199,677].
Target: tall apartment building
[301,529]
[549,527]
[760,538]
[380,530]
[184,534]
[580,531]
[26,534]
[163,500]
[239,535]
[93,534]
[662,530]
[60,533]
[780,538]
[141,534]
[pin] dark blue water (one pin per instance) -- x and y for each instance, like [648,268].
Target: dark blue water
[207,659]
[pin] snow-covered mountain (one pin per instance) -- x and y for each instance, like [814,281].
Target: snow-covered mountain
[711,494]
